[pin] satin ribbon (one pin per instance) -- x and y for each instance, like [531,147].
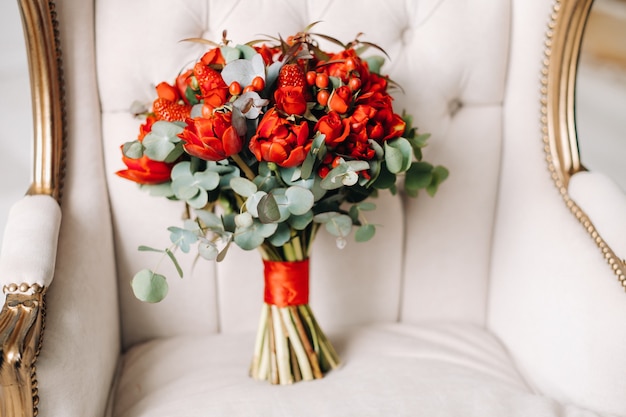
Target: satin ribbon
[286,283]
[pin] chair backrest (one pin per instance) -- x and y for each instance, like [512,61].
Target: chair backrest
[495,248]
[427,252]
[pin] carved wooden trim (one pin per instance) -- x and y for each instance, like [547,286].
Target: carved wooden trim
[43,47]
[563,40]
[21,328]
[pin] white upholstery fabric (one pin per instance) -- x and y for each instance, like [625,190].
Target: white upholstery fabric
[554,302]
[390,370]
[450,57]
[495,249]
[77,364]
[32,227]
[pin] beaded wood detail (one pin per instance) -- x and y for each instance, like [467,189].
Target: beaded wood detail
[563,39]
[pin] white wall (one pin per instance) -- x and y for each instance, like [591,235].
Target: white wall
[15,110]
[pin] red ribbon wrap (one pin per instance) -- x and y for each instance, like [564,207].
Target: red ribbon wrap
[286,283]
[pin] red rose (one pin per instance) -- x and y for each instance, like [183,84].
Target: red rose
[356,146]
[340,99]
[268,53]
[375,83]
[213,89]
[146,127]
[280,141]
[213,57]
[145,171]
[211,138]
[384,124]
[346,64]
[334,128]
[290,100]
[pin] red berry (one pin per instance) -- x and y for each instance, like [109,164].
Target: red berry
[310,77]
[323,171]
[234,88]
[321,81]
[322,97]
[258,83]
[354,83]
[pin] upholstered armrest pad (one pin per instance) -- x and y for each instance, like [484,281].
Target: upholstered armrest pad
[605,204]
[30,240]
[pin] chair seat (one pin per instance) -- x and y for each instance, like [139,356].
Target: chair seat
[389,369]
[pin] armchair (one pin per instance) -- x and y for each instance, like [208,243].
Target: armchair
[497,301]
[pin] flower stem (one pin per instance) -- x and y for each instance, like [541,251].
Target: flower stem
[243,166]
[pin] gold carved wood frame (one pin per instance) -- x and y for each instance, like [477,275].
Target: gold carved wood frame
[563,40]
[23,313]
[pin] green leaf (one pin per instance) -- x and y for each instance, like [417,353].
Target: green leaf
[281,236]
[210,219]
[170,254]
[375,63]
[148,286]
[398,154]
[133,150]
[143,248]
[385,178]
[300,200]
[230,54]
[243,186]
[268,209]
[161,140]
[366,206]
[439,175]
[364,233]
[208,250]
[182,238]
[159,190]
[300,222]
[419,175]
[336,224]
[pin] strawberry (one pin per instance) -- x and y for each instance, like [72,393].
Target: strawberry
[170,111]
[291,75]
[208,78]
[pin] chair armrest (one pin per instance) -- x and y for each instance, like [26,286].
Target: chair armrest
[26,270]
[30,243]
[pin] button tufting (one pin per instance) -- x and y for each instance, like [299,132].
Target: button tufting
[454,106]
[406,35]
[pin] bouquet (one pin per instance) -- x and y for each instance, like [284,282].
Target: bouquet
[265,143]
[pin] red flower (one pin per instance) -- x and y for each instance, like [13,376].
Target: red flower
[346,64]
[280,141]
[145,171]
[334,128]
[213,89]
[213,57]
[146,127]
[290,100]
[383,123]
[340,99]
[211,138]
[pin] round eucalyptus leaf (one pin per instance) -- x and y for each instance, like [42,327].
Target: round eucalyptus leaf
[252,202]
[302,221]
[364,233]
[208,250]
[148,286]
[300,200]
[398,154]
[243,186]
[339,226]
[210,219]
[281,235]
[208,180]
[248,239]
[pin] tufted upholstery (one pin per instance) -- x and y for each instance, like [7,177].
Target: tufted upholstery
[450,310]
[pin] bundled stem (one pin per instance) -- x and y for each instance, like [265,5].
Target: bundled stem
[290,345]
